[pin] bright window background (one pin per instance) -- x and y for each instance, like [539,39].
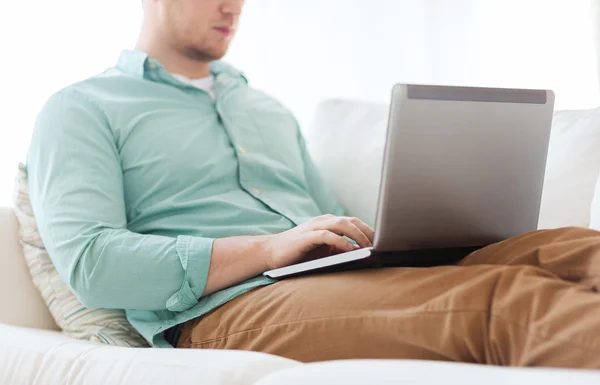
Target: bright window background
[305,51]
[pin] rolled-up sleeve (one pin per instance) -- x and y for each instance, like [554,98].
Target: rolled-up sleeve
[76,187]
[194,254]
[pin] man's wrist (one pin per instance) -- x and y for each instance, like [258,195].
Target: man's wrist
[264,251]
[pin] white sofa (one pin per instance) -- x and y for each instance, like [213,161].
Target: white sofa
[33,352]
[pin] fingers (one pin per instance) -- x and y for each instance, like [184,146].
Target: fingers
[326,237]
[366,229]
[348,227]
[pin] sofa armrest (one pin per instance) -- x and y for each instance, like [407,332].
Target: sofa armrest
[392,372]
[21,303]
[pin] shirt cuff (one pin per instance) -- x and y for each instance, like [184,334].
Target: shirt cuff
[194,254]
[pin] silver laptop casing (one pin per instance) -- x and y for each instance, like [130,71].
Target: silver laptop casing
[462,166]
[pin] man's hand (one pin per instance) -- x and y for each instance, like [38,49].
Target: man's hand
[326,232]
[236,259]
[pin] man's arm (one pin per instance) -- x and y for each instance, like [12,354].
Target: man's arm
[76,187]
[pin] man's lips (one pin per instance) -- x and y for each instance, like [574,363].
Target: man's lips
[224,31]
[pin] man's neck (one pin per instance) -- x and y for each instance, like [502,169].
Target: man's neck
[173,61]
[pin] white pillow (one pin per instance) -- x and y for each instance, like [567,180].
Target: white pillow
[347,140]
[572,169]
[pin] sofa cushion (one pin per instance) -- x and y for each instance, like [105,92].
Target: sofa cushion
[347,141]
[99,325]
[413,372]
[30,356]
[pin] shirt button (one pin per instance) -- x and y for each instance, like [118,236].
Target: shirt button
[152,66]
[241,150]
[256,191]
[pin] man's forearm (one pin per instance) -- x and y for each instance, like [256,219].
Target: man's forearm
[234,260]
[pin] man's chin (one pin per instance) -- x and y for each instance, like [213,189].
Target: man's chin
[218,55]
[208,55]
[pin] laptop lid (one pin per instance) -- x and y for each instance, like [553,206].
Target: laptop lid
[462,167]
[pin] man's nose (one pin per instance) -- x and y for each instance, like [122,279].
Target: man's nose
[233,7]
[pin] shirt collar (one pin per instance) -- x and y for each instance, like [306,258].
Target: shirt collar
[138,63]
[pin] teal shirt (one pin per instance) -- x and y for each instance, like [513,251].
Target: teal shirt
[133,175]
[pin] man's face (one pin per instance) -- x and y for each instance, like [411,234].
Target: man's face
[199,29]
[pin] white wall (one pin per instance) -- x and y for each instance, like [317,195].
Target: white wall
[540,43]
[304,51]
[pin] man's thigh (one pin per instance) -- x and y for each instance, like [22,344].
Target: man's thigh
[437,313]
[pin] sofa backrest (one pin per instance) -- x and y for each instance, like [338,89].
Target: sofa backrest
[21,303]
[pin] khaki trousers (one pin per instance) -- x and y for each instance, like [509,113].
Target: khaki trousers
[529,301]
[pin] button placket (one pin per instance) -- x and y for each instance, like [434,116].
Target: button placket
[247,143]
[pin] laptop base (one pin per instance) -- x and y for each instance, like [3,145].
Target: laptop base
[370,259]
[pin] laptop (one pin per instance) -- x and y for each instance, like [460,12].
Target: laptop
[463,168]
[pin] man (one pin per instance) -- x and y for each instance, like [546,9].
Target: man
[166,186]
